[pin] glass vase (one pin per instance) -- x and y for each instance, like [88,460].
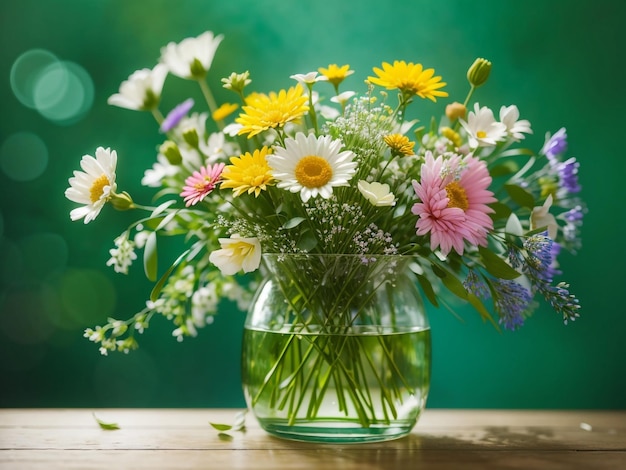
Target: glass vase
[336,348]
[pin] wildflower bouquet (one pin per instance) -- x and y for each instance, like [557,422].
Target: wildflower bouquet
[315,169]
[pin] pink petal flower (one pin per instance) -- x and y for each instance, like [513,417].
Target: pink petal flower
[201,183]
[454,195]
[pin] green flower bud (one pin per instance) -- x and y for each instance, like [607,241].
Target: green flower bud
[122,201]
[171,152]
[197,70]
[478,73]
[237,81]
[191,137]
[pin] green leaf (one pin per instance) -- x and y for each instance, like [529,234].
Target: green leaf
[450,280]
[291,223]
[506,168]
[159,210]
[502,211]
[156,290]
[454,285]
[480,308]
[495,265]
[221,427]
[428,289]
[150,260]
[520,195]
[104,425]
[440,273]
[166,220]
[307,242]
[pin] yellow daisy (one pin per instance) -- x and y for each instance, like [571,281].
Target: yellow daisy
[224,111]
[249,172]
[336,74]
[273,110]
[399,144]
[411,79]
[253,97]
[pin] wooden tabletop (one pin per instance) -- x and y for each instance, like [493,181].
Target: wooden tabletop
[183,439]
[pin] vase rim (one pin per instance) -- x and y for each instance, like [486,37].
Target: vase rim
[368,256]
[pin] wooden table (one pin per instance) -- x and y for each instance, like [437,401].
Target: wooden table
[183,439]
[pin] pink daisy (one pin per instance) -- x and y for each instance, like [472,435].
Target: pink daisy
[201,183]
[454,195]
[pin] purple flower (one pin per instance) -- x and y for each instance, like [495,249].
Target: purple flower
[176,114]
[555,145]
[574,215]
[541,261]
[568,173]
[511,301]
[476,286]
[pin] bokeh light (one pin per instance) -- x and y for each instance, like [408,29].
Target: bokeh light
[23,156]
[26,71]
[61,91]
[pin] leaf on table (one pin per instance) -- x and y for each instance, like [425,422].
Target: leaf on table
[104,425]
[221,427]
[239,424]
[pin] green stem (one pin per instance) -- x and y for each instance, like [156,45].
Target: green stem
[157,115]
[208,96]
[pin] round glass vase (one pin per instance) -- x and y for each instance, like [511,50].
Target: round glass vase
[336,348]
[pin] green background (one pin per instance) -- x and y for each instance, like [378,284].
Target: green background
[560,61]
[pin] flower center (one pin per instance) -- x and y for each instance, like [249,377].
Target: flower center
[206,184]
[97,188]
[457,196]
[481,134]
[313,171]
[275,117]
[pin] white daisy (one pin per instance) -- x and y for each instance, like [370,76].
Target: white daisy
[509,116]
[343,98]
[482,128]
[306,80]
[312,165]
[142,90]
[161,169]
[93,186]
[192,57]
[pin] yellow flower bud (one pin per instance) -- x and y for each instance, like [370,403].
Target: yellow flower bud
[455,111]
[171,152]
[478,73]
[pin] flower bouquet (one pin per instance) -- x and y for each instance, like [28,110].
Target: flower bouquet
[341,213]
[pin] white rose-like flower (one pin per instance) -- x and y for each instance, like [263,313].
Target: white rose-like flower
[377,193]
[541,217]
[237,253]
[142,90]
[192,57]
